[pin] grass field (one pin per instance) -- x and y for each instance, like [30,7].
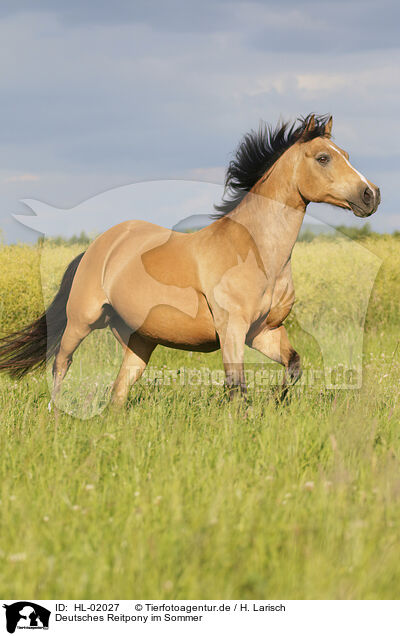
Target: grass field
[182,497]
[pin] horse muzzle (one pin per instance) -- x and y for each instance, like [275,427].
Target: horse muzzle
[367,202]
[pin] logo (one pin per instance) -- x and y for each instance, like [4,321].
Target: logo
[26,615]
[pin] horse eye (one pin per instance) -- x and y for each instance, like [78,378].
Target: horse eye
[323,159]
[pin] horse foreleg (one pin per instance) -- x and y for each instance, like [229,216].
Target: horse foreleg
[232,337]
[274,343]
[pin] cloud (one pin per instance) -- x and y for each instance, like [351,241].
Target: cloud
[22,177]
[165,202]
[378,76]
[212,174]
[150,90]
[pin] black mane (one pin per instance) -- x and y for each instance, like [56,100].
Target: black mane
[258,151]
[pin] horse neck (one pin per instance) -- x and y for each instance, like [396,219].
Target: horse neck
[273,212]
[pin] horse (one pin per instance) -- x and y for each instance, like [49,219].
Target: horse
[224,286]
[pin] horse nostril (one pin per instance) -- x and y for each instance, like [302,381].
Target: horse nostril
[378,195]
[368,195]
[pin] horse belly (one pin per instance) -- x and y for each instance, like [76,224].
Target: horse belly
[173,328]
[172,323]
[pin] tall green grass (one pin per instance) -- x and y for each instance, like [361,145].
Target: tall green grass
[181,495]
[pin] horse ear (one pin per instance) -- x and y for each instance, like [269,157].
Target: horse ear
[328,127]
[310,124]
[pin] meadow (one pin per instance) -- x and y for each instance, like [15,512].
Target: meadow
[179,495]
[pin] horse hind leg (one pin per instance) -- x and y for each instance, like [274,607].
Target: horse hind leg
[70,341]
[136,357]
[75,332]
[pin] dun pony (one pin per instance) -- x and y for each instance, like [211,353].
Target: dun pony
[225,286]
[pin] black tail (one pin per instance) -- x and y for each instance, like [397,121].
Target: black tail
[33,345]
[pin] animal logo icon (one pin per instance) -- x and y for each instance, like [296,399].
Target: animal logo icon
[26,615]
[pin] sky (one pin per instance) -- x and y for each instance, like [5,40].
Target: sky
[99,95]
